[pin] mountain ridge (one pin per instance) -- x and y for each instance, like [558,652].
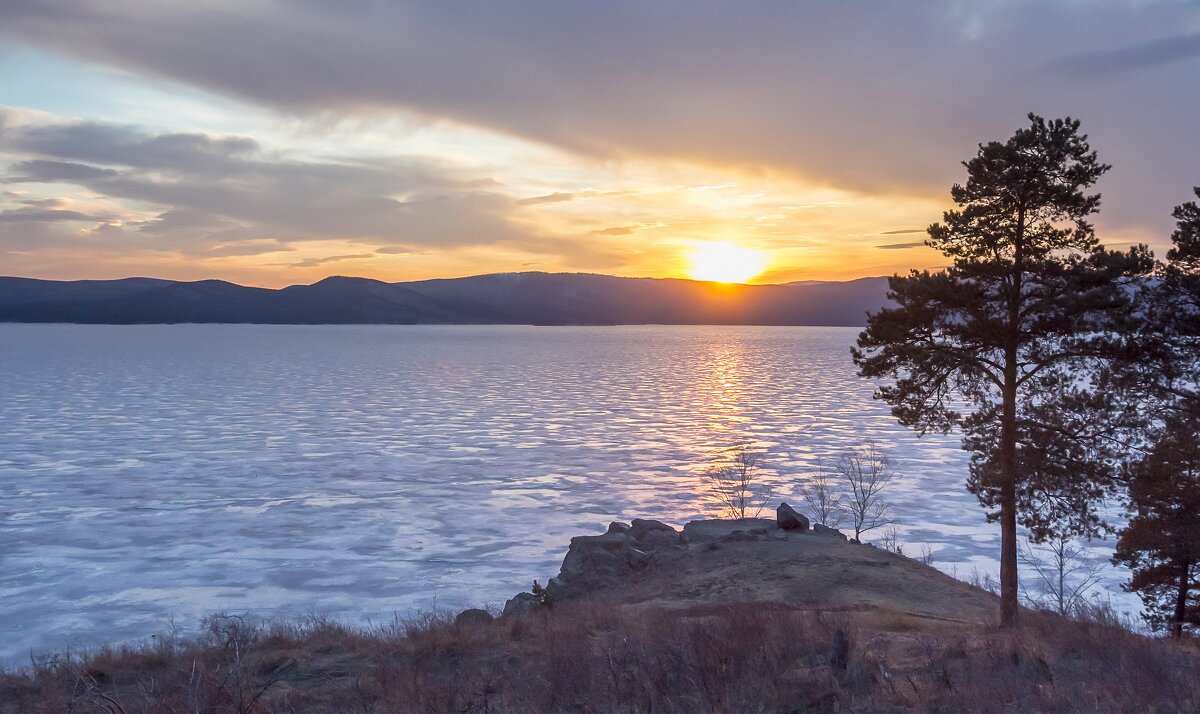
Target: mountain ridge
[531,298]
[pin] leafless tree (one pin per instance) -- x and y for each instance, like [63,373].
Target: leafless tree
[891,542]
[731,481]
[866,472]
[823,498]
[1063,575]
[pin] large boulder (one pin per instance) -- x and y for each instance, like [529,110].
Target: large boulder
[827,531]
[593,554]
[520,604]
[651,535]
[473,618]
[705,531]
[790,519]
[598,562]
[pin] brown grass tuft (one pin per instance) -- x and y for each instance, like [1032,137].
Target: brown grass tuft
[598,657]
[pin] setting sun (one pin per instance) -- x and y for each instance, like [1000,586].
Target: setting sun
[726,263]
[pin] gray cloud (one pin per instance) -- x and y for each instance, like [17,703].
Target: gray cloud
[113,144]
[43,215]
[868,95]
[43,171]
[864,95]
[314,262]
[397,250]
[1145,55]
[555,197]
[900,246]
[218,190]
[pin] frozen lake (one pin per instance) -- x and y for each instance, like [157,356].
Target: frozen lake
[157,473]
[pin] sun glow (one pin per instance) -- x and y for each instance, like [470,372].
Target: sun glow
[726,263]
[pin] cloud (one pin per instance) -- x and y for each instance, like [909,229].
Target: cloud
[246,248]
[314,262]
[42,215]
[865,96]
[903,232]
[555,197]
[397,250]
[215,190]
[1140,56]
[872,100]
[43,171]
[900,246]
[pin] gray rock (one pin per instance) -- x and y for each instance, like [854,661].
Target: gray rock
[636,558]
[605,561]
[641,526]
[520,604]
[706,531]
[592,554]
[739,535]
[790,519]
[827,531]
[657,540]
[556,589]
[473,618]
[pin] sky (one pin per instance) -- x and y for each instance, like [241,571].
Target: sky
[274,143]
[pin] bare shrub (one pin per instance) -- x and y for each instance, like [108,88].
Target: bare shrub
[823,499]
[732,482]
[1064,577]
[890,542]
[983,581]
[866,472]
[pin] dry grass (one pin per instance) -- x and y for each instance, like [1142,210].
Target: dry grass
[596,657]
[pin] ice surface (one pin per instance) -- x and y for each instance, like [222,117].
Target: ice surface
[157,473]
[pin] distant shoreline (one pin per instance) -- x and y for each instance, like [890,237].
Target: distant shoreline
[535,299]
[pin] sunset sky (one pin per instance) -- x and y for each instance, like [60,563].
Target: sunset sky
[273,143]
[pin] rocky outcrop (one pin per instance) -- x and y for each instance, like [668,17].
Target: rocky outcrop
[599,562]
[627,553]
[615,558]
[707,563]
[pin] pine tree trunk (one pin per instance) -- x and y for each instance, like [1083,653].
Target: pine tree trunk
[1009,607]
[1008,520]
[1181,601]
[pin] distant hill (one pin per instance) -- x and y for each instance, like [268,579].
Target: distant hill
[508,298]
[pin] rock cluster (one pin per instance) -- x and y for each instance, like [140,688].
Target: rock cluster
[599,562]
[596,562]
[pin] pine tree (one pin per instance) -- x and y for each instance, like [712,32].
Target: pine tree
[1177,315]
[1004,343]
[1161,544]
